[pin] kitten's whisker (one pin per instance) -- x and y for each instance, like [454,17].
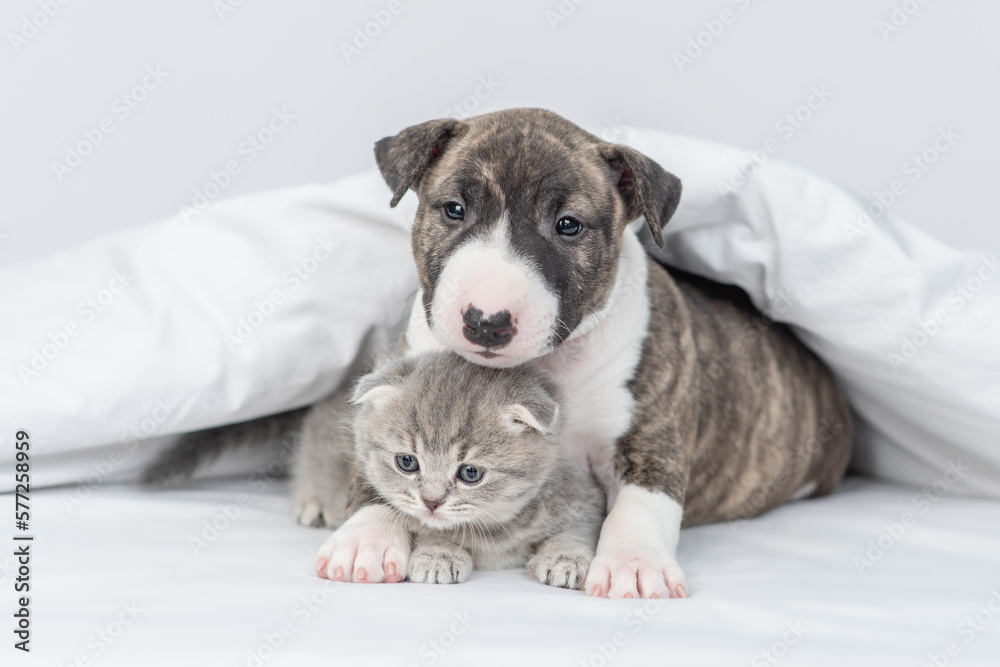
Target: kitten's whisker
[498,523]
[487,535]
[477,530]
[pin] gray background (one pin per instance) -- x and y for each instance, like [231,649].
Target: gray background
[606,63]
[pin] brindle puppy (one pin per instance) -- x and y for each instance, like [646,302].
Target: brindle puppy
[687,404]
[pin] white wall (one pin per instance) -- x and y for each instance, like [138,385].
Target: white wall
[608,60]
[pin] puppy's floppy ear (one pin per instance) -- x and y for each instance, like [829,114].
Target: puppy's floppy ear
[404,158]
[382,383]
[648,189]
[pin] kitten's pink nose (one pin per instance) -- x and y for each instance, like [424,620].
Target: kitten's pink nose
[431,504]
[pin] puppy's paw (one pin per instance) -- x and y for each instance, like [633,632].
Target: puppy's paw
[563,569]
[436,565]
[636,572]
[371,547]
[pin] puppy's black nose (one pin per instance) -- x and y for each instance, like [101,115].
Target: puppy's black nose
[431,504]
[494,331]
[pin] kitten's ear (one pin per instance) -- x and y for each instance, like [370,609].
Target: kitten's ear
[382,383]
[373,394]
[540,414]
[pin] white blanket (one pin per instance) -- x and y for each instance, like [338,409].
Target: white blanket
[909,326]
[258,304]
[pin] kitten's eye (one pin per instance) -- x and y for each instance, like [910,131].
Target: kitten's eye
[470,474]
[454,210]
[407,463]
[569,226]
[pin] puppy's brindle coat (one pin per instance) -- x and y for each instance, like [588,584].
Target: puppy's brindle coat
[686,403]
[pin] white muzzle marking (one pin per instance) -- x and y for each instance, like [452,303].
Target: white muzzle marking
[486,274]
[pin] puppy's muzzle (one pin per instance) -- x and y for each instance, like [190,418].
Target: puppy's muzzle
[494,331]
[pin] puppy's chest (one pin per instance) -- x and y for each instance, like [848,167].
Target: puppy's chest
[597,403]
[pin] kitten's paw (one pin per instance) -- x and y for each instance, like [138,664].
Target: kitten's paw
[635,573]
[430,565]
[371,547]
[565,570]
[309,512]
[318,510]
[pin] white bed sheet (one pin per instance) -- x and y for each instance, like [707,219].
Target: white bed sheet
[749,583]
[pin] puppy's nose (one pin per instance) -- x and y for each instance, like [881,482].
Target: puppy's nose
[431,504]
[494,331]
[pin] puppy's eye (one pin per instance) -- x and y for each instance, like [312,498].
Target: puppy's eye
[407,463]
[568,226]
[470,474]
[454,210]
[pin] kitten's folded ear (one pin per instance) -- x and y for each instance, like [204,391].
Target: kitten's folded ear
[382,383]
[539,412]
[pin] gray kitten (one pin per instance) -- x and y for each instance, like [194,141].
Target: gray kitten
[483,450]
[467,460]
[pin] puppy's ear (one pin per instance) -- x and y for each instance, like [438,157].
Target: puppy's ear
[404,158]
[382,383]
[647,189]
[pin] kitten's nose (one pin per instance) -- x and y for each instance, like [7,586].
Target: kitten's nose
[432,504]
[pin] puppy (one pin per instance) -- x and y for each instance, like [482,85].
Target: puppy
[687,405]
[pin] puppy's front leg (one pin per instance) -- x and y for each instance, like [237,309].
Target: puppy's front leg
[636,553]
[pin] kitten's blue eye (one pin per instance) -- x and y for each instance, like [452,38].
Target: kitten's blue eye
[407,463]
[470,474]
[568,226]
[454,210]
